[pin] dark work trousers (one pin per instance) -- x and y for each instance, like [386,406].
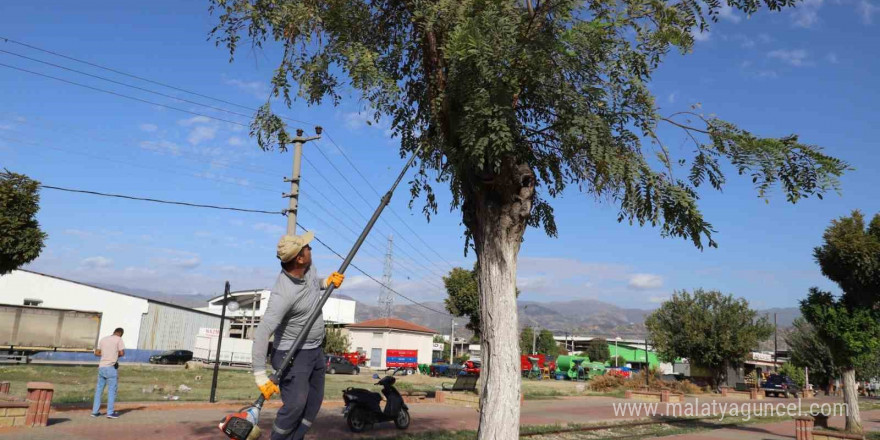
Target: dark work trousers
[302,392]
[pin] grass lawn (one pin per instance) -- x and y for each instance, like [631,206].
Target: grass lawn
[621,430]
[76,384]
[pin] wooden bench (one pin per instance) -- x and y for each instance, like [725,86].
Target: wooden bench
[462,383]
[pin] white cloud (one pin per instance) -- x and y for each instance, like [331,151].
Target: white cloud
[96,262]
[269,228]
[727,12]
[745,64]
[256,88]
[806,14]
[867,10]
[831,58]
[161,146]
[767,74]
[797,57]
[236,141]
[78,233]
[671,97]
[645,281]
[700,36]
[745,41]
[657,299]
[185,263]
[201,133]
[194,120]
[356,120]
[149,128]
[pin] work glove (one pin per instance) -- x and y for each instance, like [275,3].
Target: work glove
[266,386]
[335,279]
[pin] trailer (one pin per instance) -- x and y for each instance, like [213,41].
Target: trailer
[25,330]
[233,351]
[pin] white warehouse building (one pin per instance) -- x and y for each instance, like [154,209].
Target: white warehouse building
[251,304]
[148,324]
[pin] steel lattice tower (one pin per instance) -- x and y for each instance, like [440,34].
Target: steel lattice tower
[386,296]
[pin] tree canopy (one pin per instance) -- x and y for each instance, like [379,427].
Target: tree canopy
[335,341]
[597,350]
[850,256]
[852,334]
[709,328]
[551,92]
[808,350]
[463,296]
[21,239]
[546,344]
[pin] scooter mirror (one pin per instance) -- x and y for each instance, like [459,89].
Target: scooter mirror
[375,376]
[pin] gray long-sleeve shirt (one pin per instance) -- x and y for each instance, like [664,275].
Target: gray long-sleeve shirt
[291,302]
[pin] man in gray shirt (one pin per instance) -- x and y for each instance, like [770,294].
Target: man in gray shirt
[297,293]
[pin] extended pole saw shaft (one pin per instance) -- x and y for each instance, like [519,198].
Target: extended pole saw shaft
[301,338]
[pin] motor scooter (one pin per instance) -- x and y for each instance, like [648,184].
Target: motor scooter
[362,408]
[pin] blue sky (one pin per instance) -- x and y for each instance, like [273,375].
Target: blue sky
[807,71]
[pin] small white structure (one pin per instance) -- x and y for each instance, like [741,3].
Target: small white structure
[377,336]
[148,324]
[253,303]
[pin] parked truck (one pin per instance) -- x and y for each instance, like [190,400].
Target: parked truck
[25,330]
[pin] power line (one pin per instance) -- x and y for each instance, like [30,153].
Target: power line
[347,158]
[121,95]
[167,202]
[29,46]
[427,276]
[227,208]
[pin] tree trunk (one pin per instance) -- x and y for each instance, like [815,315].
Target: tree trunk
[496,213]
[851,399]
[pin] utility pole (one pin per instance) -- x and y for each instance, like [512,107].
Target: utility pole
[293,195]
[452,342]
[386,297]
[775,346]
[219,344]
[534,340]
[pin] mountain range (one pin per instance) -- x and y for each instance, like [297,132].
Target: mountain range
[582,316]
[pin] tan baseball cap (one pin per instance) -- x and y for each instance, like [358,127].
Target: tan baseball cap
[290,245]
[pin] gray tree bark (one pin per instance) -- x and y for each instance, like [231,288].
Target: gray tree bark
[496,213]
[851,399]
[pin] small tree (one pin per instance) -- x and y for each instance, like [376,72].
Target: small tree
[21,239]
[463,296]
[597,350]
[711,329]
[444,355]
[852,334]
[794,373]
[849,325]
[808,350]
[336,341]
[547,344]
[616,361]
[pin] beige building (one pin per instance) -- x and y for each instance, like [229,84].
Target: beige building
[377,336]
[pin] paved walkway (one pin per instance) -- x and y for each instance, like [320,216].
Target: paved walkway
[199,421]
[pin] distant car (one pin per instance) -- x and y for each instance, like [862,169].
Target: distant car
[339,364]
[780,385]
[172,357]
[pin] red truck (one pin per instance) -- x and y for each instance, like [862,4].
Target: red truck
[355,358]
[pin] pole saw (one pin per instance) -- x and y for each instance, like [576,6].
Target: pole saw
[242,425]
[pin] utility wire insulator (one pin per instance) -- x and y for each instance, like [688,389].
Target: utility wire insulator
[291,180]
[287,195]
